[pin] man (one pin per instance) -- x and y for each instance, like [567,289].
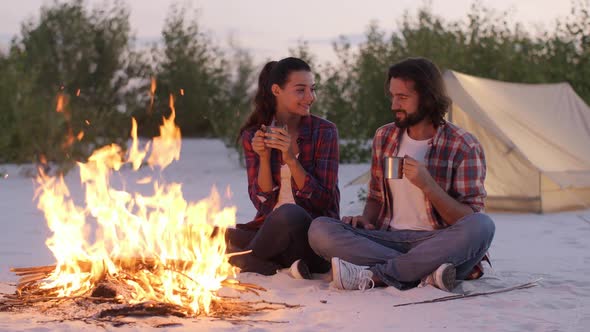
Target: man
[428,226]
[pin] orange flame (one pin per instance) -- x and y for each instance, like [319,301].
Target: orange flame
[69,138]
[59,108]
[153,86]
[42,160]
[166,147]
[152,93]
[183,242]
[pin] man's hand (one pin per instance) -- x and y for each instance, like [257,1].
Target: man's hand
[448,207]
[417,173]
[358,222]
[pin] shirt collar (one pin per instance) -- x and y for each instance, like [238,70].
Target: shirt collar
[399,132]
[438,134]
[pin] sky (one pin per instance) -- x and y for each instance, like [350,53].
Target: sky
[269,28]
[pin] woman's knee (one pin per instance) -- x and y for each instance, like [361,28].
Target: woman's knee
[289,217]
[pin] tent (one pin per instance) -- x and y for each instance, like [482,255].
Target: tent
[536,138]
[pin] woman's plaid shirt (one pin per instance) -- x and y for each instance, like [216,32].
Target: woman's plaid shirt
[454,158]
[318,155]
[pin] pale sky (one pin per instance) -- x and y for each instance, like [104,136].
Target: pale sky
[269,28]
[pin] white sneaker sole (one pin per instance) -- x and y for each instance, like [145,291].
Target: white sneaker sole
[336,280]
[298,272]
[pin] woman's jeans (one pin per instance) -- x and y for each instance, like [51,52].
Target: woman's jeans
[401,258]
[280,241]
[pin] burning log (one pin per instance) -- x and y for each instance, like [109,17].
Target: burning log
[32,275]
[114,290]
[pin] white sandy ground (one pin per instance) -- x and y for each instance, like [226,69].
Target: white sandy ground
[555,247]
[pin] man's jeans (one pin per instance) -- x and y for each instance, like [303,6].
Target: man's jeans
[401,258]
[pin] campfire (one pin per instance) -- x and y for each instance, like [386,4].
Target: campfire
[131,254]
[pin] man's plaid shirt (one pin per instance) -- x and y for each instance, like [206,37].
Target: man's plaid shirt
[318,155]
[455,159]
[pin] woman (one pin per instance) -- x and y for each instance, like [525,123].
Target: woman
[292,173]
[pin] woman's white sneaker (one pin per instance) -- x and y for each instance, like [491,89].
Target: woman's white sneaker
[299,270]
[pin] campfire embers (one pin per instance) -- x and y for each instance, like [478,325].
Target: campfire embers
[108,300]
[129,253]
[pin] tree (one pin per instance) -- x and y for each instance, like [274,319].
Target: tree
[238,93]
[82,59]
[193,70]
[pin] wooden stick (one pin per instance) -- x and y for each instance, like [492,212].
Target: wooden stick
[584,218]
[238,253]
[32,277]
[229,283]
[124,263]
[463,296]
[247,321]
[243,287]
[286,305]
[30,270]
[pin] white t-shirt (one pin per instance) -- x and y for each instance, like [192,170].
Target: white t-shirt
[286,192]
[409,204]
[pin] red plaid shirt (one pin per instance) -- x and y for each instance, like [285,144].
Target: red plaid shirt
[454,158]
[318,155]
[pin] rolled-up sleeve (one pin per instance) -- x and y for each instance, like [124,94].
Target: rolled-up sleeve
[264,202]
[469,179]
[320,187]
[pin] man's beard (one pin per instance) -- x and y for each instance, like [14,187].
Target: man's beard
[408,120]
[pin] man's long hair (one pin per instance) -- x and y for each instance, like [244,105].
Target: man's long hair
[428,82]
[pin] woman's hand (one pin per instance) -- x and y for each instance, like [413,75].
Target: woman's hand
[280,139]
[258,144]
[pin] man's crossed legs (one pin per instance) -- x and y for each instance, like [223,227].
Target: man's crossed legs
[401,258]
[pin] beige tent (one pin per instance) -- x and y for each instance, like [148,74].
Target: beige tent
[536,138]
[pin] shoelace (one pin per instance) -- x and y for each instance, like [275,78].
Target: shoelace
[365,280]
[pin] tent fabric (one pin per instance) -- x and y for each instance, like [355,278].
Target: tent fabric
[536,138]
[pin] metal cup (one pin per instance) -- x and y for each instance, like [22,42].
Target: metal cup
[273,125]
[393,167]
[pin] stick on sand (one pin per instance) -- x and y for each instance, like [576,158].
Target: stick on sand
[463,296]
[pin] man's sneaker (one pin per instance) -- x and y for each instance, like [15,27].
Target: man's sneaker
[442,278]
[299,270]
[349,276]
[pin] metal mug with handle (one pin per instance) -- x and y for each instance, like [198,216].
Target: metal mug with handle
[275,124]
[393,167]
